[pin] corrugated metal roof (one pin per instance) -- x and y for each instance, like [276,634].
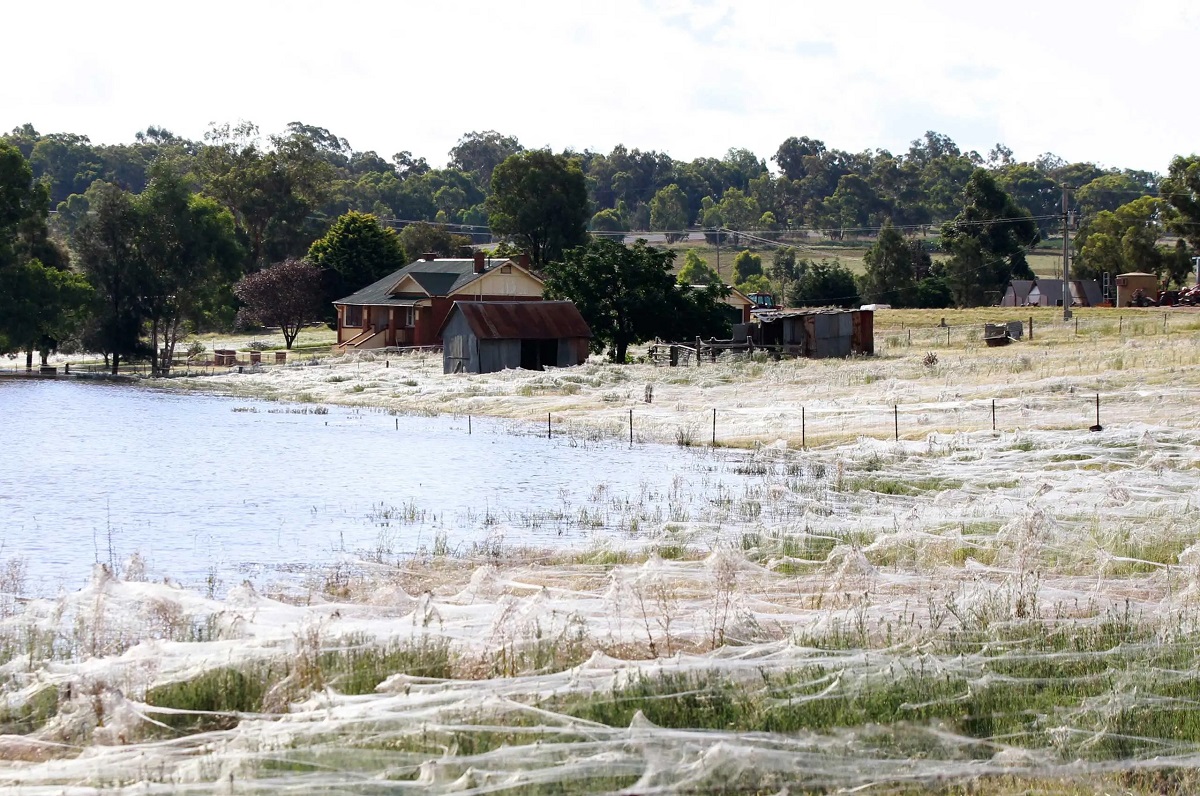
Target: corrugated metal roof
[440,277]
[522,320]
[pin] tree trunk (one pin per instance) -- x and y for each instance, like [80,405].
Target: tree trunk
[29,358]
[116,363]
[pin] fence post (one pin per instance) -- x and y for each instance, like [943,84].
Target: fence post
[896,419]
[993,414]
[1076,324]
[1030,327]
[1164,331]
[468,425]
[631,427]
[714,441]
[803,430]
[549,431]
[947,335]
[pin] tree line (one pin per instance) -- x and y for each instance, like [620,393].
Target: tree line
[273,185]
[159,237]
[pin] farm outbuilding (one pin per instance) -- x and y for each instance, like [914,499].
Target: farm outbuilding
[1049,293]
[1130,283]
[487,336]
[817,333]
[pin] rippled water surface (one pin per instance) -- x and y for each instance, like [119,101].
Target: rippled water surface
[95,472]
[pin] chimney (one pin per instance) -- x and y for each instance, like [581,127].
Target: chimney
[523,261]
[479,261]
[431,256]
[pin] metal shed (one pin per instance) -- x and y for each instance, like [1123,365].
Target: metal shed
[817,333]
[487,336]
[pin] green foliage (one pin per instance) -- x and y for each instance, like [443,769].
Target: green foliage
[669,212]
[783,265]
[1123,240]
[608,221]
[890,275]
[357,250]
[417,240]
[106,245]
[190,254]
[1033,190]
[539,200]
[932,293]
[478,154]
[40,306]
[738,211]
[824,284]
[987,242]
[756,283]
[745,265]
[696,271]
[270,192]
[1108,192]
[1181,190]
[218,696]
[628,295]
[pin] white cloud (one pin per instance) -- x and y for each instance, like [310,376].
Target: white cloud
[1098,82]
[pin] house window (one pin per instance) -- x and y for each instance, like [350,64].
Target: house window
[405,317]
[506,269]
[353,316]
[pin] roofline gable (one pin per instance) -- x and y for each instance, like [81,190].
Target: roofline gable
[476,277]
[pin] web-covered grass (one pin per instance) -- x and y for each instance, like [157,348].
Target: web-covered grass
[958,611]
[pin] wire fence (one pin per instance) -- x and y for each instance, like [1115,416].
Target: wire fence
[1135,324]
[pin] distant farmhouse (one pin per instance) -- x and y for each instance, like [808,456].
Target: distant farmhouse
[1049,293]
[409,307]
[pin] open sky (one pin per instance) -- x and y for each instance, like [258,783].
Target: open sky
[1104,81]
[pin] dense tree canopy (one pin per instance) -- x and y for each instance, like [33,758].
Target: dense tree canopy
[539,201]
[1127,239]
[40,301]
[987,242]
[696,271]
[628,295]
[190,254]
[356,251]
[824,284]
[287,294]
[890,273]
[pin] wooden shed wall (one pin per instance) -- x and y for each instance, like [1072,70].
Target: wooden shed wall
[460,354]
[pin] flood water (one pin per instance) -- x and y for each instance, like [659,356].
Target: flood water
[203,489]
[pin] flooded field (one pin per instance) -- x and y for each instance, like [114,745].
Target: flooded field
[202,487]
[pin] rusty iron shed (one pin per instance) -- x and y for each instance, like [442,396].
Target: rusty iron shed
[816,333]
[487,336]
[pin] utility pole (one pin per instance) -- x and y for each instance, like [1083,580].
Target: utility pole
[1066,230]
[718,251]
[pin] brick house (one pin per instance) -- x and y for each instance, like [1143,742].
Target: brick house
[409,306]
